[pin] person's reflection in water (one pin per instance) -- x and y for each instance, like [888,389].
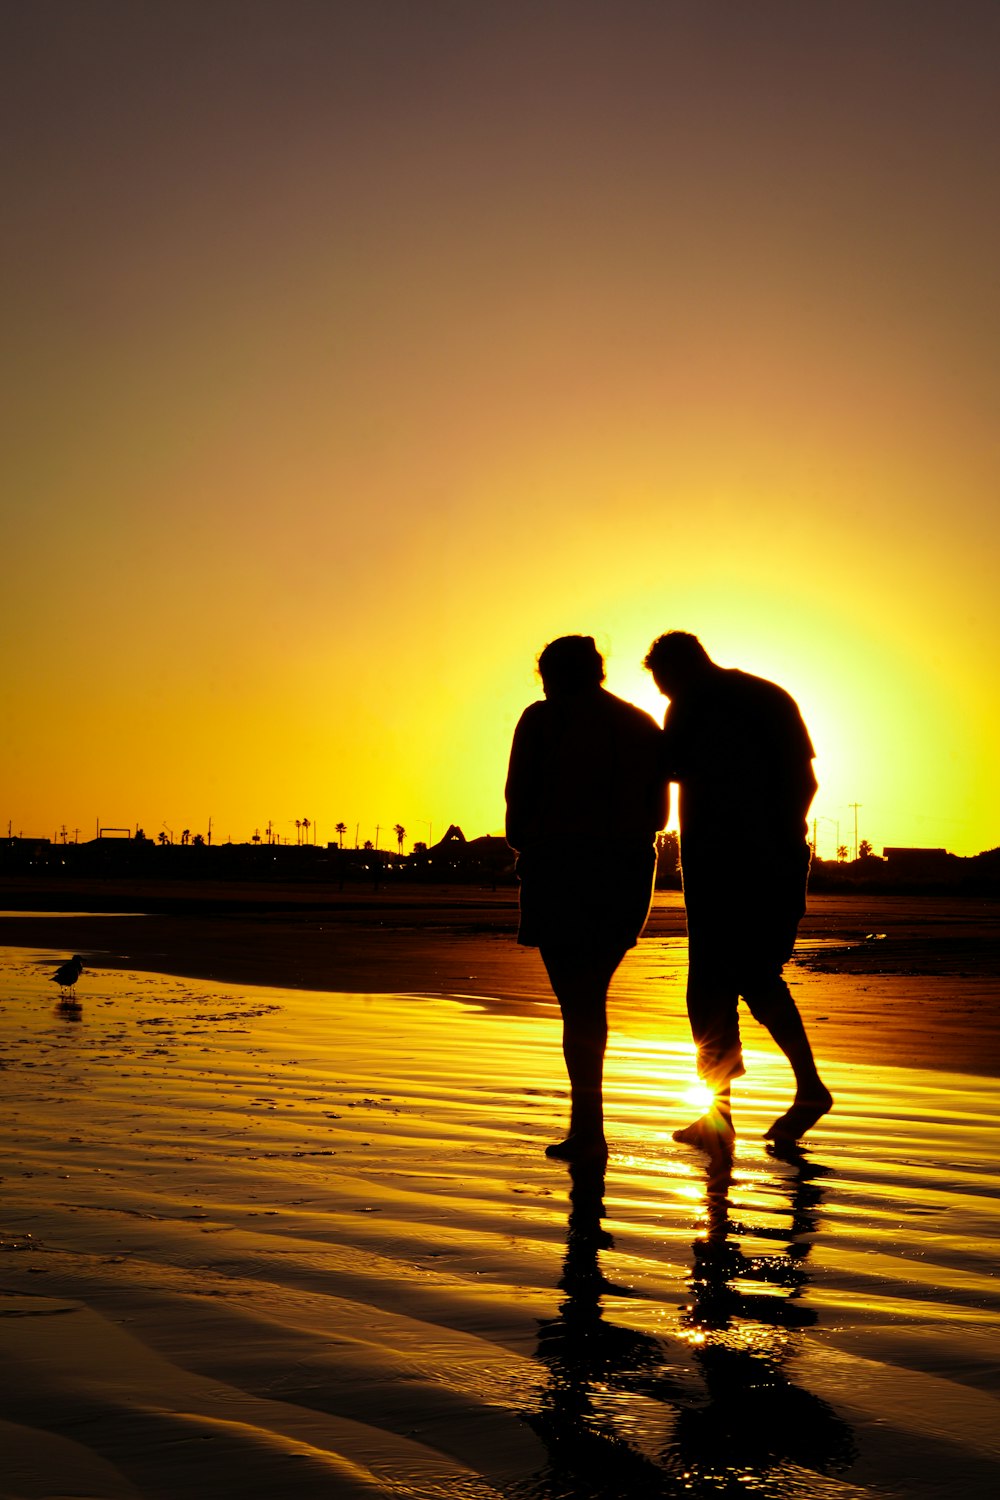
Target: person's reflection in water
[594,1366]
[625,1413]
[742,1338]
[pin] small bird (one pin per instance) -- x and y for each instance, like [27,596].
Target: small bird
[68,973]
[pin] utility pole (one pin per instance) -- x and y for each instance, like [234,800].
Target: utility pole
[855,805]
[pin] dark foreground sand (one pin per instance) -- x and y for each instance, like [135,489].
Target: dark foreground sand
[275,1239]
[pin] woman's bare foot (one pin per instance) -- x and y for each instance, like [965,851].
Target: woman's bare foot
[802,1116]
[579,1147]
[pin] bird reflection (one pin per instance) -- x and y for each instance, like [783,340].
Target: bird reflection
[624,1413]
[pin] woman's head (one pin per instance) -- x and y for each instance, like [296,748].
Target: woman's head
[570,664]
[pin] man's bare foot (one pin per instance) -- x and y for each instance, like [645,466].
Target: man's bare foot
[713,1133]
[580,1147]
[802,1116]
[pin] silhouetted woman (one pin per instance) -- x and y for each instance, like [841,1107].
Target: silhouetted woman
[585,797]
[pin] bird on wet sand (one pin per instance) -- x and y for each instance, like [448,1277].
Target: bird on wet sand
[67,974]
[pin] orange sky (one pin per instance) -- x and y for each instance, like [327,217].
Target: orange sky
[355,351]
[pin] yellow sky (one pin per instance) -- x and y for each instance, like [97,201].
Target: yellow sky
[356,352]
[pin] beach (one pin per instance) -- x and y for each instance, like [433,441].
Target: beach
[276,1219]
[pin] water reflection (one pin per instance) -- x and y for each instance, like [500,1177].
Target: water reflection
[741,1327]
[712,1410]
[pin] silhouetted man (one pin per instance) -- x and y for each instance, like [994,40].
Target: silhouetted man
[585,796]
[741,754]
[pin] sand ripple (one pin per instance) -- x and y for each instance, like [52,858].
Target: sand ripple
[267,1243]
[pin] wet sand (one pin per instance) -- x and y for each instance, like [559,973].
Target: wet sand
[925,971]
[267,1240]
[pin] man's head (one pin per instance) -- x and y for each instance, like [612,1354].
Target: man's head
[677,661]
[570,664]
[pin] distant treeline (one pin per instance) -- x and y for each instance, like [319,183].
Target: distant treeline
[454,859]
[484,860]
[911,871]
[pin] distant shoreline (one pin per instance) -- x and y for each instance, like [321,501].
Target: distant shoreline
[918,976]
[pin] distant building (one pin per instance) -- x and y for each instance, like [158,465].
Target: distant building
[916,861]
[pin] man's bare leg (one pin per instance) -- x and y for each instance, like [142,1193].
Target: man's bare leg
[777,1010]
[712,1004]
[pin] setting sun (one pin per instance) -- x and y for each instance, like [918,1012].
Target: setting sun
[699,1096]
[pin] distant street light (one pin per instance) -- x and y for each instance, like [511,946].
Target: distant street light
[835,823]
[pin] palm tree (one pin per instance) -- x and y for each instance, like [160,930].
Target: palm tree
[341,829]
[400,833]
[842,852]
[305,830]
[298,830]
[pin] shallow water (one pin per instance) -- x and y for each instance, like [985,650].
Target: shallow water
[311,1240]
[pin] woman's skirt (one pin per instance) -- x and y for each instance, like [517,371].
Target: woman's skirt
[586,897]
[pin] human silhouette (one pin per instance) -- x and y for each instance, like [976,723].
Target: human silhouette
[585,797]
[742,756]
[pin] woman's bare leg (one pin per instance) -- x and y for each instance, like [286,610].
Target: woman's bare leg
[582,991]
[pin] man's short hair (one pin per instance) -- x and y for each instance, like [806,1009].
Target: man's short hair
[678,648]
[571,662]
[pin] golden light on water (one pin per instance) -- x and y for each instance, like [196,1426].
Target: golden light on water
[453,1257]
[695,1192]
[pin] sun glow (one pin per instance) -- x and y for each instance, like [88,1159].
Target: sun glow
[699,1095]
[325,490]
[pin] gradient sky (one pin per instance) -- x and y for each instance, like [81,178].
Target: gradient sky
[354,351]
